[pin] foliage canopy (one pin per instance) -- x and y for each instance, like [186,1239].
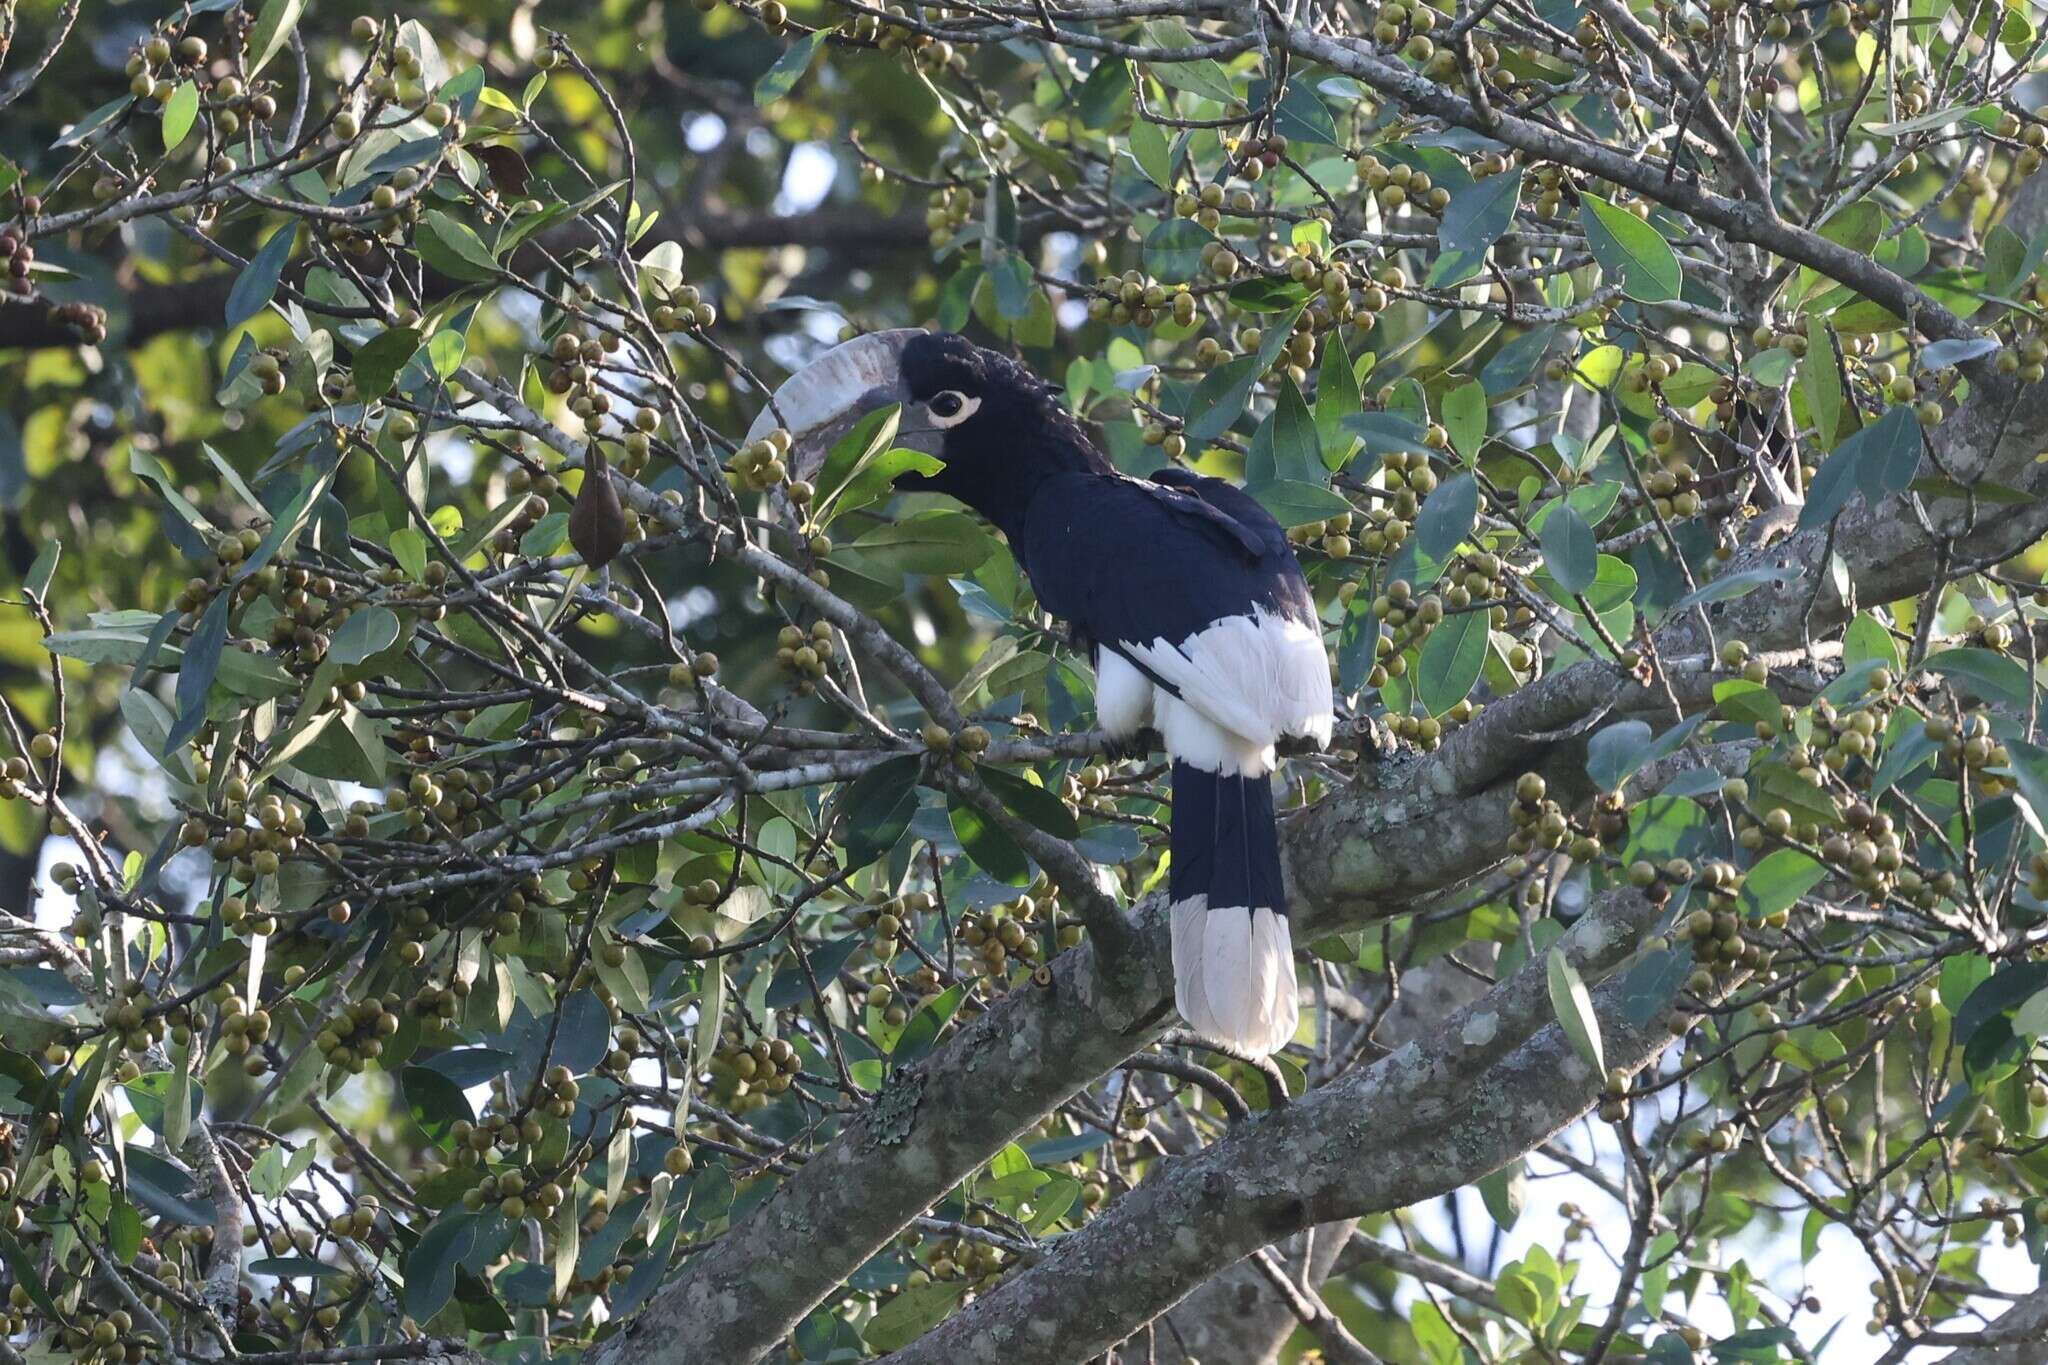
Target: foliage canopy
[543,875]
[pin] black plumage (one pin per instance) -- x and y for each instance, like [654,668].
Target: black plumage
[1192,604]
[1115,557]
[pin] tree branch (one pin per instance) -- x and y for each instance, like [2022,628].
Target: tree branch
[153,309]
[1500,1078]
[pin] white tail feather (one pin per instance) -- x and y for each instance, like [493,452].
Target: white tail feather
[1233,975]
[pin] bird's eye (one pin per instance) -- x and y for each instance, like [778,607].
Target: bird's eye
[951,408]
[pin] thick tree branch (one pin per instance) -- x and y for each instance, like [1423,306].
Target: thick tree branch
[2021,1333]
[1500,1078]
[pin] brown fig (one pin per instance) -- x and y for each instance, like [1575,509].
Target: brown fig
[597,524]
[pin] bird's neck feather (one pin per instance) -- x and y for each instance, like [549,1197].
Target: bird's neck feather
[1002,488]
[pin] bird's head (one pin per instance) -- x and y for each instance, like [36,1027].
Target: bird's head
[993,424]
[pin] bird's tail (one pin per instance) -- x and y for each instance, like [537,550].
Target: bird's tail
[1233,957]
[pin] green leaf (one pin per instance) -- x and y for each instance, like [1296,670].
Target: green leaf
[36,582]
[27,1276]
[1569,550]
[863,443]
[445,352]
[1473,221]
[1614,583]
[1447,516]
[991,850]
[197,667]
[1153,153]
[1770,368]
[1741,700]
[2010,260]
[1888,453]
[1878,460]
[180,111]
[2030,1020]
[1294,502]
[165,1189]
[346,745]
[1778,881]
[911,1314]
[1574,1006]
[1173,250]
[1010,278]
[1440,1345]
[1105,95]
[379,360]
[409,548]
[2029,767]
[1053,1200]
[1285,447]
[1452,659]
[1730,586]
[781,78]
[879,805]
[1020,672]
[430,1266]
[1202,76]
[244,674]
[548,536]
[1220,397]
[1772,784]
[1956,351]
[1266,295]
[1300,114]
[788,987]
[1982,491]
[94,121]
[1865,640]
[453,249]
[257,284]
[1833,485]
[1858,226]
[931,543]
[1994,677]
[153,1098]
[1505,1193]
[1337,400]
[1612,753]
[1691,384]
[1630,251]
[1465,416]
[273,29]
[922,1030]
[436,1103]
[568,1241]
[124,1230]
[291,520]
[1000,650]
[2006,989]
[1652,984]
[1031,803]
[1386,433]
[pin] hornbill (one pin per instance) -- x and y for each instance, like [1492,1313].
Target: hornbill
[1183,590]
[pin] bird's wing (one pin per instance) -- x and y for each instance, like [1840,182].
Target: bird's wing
[1194,583]
[1125,559]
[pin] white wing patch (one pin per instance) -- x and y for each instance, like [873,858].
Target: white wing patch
[1123,695]
[1244,682]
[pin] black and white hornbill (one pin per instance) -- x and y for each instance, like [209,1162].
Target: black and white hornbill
[1189,600]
